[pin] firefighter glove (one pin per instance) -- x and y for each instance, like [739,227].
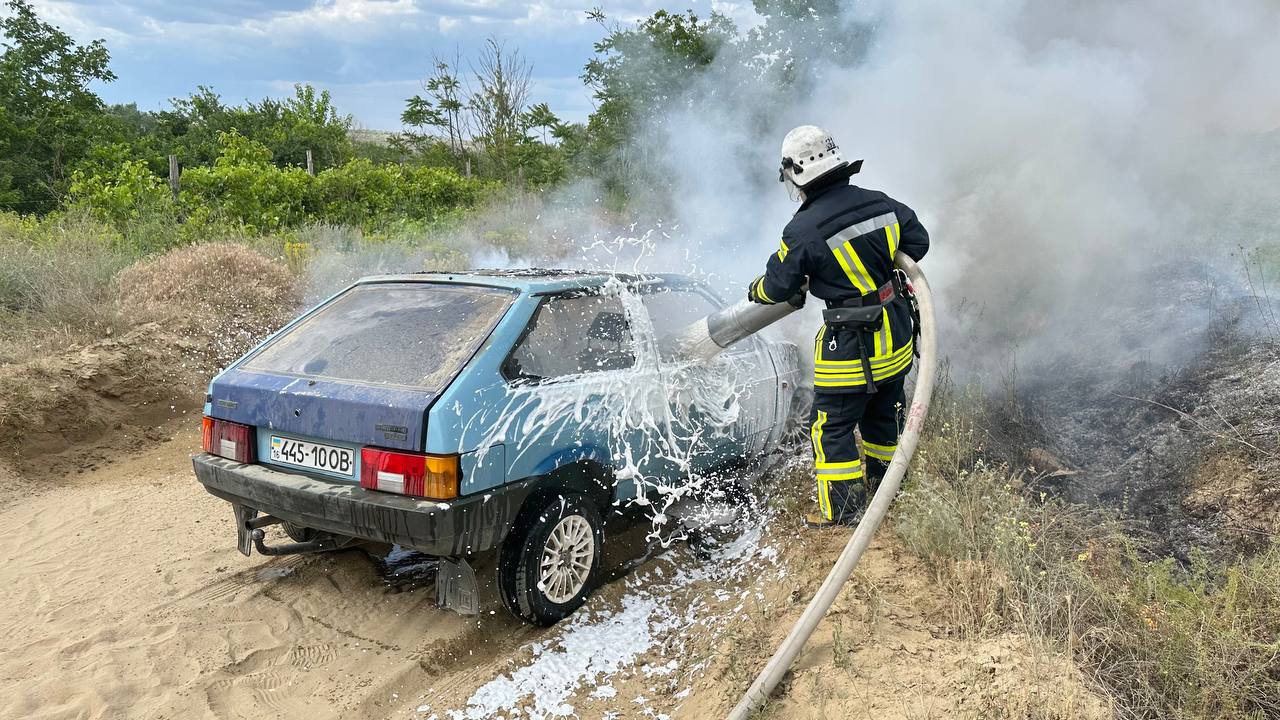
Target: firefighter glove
[755,292]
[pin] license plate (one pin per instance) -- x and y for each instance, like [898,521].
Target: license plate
[314,456]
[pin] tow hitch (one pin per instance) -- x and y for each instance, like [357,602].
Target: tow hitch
[249,534]
[456,586]
[320,544]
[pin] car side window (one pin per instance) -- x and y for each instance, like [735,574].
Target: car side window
[672,310]
[569,335]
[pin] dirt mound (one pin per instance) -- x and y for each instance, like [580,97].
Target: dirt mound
[189,312]
[224,296]
[116,388]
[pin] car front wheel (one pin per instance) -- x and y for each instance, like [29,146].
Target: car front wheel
[549,563]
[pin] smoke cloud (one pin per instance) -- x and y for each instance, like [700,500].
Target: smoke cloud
[1093,174]
[1088,171]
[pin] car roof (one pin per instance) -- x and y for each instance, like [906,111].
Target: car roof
[536,280]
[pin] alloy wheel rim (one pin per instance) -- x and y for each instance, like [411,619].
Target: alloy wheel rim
[566,559]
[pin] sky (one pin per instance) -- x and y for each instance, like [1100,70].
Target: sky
[370,54]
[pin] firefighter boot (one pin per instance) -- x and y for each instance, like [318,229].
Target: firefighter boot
[847,506]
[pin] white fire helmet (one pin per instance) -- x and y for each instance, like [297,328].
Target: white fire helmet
[808,153]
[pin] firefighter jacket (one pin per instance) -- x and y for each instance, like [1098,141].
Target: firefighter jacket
[842,241]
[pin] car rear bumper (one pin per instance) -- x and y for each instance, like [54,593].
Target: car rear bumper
[457,527]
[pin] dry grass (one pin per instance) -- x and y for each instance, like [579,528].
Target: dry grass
[223,296]
[1164,640]
[55,278]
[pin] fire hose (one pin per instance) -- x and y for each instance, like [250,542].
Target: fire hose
[741,320]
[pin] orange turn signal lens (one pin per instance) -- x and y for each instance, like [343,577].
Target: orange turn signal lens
[443,473]
[431,476]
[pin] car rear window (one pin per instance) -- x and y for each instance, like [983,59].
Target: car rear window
[408,334]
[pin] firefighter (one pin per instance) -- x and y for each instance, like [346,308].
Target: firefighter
[841,242]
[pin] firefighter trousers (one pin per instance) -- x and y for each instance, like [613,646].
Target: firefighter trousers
[844,485]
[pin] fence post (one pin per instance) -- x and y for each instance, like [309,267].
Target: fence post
[174,173]
[468,167]
[311,166]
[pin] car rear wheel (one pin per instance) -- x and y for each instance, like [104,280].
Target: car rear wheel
[550,562]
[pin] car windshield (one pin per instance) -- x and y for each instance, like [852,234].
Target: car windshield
[408,334]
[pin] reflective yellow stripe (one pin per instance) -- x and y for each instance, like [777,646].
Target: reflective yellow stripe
[760,291]
[829,471]
[819,460]
[816,434]
[847,366]
[875,360]
[783,250]
[867,285]
[879,452]
[883,343]
[844,259]
[877,373]
[817,345]
[852,376]
[840,476]
[843,465]
[893,233]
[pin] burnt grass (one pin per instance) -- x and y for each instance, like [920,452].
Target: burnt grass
[1189,456]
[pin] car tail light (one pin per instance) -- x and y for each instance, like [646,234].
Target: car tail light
[232,441]
[429,476]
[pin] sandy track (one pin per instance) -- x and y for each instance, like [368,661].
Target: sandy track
[121,595]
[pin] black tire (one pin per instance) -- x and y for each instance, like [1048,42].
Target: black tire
[520,560]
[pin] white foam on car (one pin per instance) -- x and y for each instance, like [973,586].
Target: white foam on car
[655,414]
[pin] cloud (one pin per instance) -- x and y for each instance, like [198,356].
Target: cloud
[366,52]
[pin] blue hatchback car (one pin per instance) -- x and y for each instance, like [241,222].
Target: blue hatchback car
[454,414]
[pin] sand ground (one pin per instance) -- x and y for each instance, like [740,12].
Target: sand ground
[122,596]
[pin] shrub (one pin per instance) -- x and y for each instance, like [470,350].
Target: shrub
[429,193]
[355,193]
[244,190]
[243,187]
[118,194]
[330,257]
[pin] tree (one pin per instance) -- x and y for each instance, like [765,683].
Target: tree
[440,117]
[484,116]
[192,128]
[800,35]
[540,117]
[306,121]
[50,117]
[498,100]
[641,73]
